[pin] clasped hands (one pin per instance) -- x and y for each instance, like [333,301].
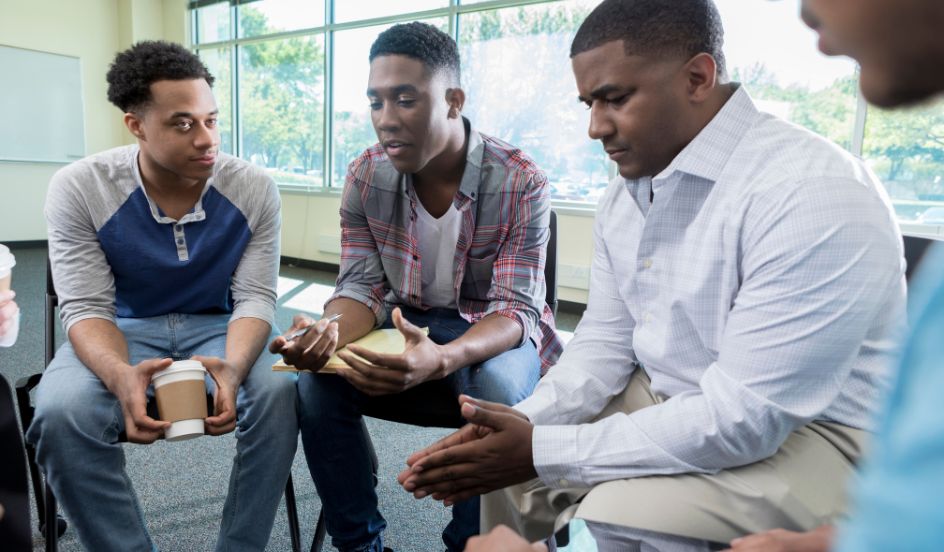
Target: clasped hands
[491,452]
[130,387]
[372,373]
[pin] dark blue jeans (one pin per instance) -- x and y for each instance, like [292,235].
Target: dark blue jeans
[338,450]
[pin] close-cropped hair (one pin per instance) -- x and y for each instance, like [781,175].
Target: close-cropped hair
[423,42]
[655,27]
[135,69]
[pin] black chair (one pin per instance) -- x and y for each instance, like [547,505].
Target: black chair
[915,248]
[14,485]
[439,406]
[45,500]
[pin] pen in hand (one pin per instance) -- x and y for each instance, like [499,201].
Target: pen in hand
[300,332]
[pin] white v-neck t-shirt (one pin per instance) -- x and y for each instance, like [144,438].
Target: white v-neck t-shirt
[437,239]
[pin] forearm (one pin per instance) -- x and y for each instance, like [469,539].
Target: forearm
[487,338]
[357,320]
[101,346]
[245,339]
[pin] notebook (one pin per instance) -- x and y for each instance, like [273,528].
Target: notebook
[389,341]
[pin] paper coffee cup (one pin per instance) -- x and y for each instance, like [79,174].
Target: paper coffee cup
[7,262]
[180,390]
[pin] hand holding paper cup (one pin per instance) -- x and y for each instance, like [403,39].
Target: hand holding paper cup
[181,399]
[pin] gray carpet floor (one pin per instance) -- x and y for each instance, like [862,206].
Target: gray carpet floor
[182,486]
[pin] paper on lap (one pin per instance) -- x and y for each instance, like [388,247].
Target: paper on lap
[389,341]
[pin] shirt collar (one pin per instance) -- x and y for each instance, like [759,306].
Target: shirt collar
[475,153]
[707,154]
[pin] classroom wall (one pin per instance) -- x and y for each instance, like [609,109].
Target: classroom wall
[93,31]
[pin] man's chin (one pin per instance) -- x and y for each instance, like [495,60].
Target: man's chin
[895,91]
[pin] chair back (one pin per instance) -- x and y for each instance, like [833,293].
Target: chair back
[52,301]
[915,248]
[550,265]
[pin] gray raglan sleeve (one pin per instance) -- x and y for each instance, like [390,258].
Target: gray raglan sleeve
[83,278]
[256,277]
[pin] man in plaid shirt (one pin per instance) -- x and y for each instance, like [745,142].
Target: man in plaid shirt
[442,227]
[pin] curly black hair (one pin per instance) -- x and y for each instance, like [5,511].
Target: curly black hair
[134,70]
[423,42]
[661,27]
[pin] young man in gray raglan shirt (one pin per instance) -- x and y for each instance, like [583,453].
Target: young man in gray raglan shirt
[161,251]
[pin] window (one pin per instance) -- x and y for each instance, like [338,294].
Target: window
[219,63]
[774,56]
[905,148]
[520,88]
[281,98]
[292,74]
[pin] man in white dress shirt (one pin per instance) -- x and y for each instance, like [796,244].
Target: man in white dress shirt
[746,291]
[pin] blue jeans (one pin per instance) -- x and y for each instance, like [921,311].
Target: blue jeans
[78,420]
[338,450]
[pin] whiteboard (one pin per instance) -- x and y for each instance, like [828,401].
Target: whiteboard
[40,107]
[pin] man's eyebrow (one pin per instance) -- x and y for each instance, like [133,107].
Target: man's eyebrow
[600,92]
[188,114]
[399,89]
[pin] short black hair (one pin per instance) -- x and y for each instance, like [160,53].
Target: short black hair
[135,69]
[423,42]
[660,27]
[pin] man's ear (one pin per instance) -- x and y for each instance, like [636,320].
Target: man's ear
[455,97]
[135,124]
[701,74]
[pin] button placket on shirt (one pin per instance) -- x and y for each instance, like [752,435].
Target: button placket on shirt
[180,241]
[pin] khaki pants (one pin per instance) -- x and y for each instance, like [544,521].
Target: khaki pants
[800,487]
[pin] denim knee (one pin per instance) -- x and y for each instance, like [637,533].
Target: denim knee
[507,378]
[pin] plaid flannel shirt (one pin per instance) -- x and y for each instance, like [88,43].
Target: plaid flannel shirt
[505,207]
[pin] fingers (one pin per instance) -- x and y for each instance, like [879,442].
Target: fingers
[393,361]
[494,419]
[443,464]
[373,380]
[139,427]
[224,419]
[152,366]
[463,435]
[312,350]
[299,321]
[493,406]
[409,331]
[6,297]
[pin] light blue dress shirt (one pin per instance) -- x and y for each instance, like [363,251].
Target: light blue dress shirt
[762,289]
[899,504]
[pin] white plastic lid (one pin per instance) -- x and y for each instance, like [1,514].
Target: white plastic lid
[180,366]
[7,260]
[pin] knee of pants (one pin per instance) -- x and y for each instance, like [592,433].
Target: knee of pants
[320,397]
[65,414]
[269,398]
[508,378]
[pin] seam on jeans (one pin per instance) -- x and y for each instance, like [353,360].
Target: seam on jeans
[115,424]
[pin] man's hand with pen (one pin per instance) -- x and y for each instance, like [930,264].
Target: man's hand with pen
[308,344]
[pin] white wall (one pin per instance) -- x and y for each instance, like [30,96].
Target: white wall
[93,31]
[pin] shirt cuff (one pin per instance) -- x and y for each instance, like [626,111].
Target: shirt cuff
[254,309]
[556,456]
[367,299]
[538,408]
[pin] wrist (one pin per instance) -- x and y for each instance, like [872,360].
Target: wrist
[449,360]
[234,371]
